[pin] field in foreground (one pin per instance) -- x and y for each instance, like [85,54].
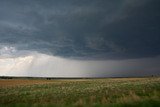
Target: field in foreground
[117,92]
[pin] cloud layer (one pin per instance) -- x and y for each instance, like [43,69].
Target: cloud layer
[82,29]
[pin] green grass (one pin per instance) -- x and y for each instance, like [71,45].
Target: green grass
[127,92]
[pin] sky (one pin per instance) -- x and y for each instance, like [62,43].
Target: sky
[79,38]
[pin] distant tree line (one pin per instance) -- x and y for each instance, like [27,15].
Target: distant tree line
[51,78]
[6,77]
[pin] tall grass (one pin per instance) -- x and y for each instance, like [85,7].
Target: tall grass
[89,92]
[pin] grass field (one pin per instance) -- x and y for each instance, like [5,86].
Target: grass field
[116,92]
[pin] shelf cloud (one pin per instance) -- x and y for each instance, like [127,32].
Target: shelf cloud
[80,31]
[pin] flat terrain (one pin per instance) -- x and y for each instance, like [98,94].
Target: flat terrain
[111,92]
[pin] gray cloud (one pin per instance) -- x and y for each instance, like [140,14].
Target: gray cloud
[92,29]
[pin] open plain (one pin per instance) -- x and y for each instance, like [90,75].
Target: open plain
[111,92]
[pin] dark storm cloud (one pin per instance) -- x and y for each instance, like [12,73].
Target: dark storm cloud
[102,29]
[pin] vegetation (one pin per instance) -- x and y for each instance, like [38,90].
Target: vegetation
[117,92]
